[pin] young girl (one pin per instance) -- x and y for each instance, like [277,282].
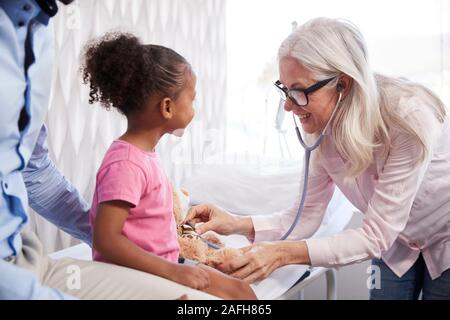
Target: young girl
[131,214]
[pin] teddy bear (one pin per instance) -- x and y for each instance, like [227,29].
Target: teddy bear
[192,246]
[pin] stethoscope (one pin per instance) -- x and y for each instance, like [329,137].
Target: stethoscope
[308,150]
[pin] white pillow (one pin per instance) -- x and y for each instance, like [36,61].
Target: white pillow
[245,189]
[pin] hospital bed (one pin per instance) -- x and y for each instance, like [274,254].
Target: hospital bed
[258,189]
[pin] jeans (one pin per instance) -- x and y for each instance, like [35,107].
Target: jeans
[411,284]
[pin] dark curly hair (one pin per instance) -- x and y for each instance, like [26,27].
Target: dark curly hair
[123,73]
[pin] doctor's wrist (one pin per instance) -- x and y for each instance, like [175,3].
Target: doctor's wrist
[294,252]
[244,226]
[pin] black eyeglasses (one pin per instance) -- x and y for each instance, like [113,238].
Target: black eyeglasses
[300,96]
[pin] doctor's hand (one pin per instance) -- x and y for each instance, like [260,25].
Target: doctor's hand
[257,262]
[219,220]
[260,260]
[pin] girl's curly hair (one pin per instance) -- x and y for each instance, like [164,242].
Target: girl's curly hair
[123,73]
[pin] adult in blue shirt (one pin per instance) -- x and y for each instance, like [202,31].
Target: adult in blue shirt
[29,178]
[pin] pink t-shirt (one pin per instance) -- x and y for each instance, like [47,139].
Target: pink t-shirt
[130,174]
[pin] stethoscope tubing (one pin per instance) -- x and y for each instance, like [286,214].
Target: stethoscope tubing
[308,150]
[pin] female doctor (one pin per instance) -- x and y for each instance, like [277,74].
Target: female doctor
[387,148]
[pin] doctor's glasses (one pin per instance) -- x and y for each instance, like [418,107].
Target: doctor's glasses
[300,96]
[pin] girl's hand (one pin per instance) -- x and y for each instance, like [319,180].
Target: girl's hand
[219,220]
[190,276]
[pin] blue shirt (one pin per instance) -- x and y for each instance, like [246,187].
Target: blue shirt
[27,175]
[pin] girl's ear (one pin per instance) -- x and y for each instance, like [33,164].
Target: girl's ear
[166,108]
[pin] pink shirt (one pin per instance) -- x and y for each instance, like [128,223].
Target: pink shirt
[406,207]
[130,174]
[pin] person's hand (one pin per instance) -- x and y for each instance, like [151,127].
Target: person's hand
[257,262]
[260,260]
[190,276]
[218,220]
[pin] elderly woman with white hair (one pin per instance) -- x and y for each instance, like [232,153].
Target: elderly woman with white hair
[387,148]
